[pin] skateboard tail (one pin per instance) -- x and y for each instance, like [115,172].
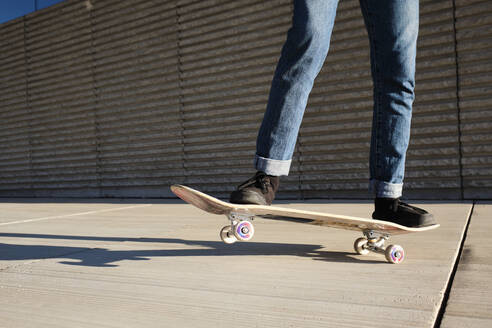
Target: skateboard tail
[200,202]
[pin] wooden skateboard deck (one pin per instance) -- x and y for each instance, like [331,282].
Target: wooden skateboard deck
[375,231]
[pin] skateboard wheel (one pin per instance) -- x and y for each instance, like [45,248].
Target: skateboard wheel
[227,236]
[360,246]
[394,254]
[244,230]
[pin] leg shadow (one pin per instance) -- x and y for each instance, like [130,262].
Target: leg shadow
[101,257]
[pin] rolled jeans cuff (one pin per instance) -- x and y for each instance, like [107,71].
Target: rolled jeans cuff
[385,189]
[273,167]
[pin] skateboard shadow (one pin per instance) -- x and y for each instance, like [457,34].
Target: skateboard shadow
[102,257]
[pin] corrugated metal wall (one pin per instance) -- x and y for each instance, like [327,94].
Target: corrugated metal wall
[60,102]
[474,66]
[137,91]
[15,173]
[113,98]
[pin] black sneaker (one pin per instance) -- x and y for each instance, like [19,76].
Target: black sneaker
[259,190]
[394,210]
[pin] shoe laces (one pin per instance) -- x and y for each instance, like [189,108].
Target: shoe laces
[260,181]
[411,207]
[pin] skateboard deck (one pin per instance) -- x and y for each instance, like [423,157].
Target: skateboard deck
[241,228]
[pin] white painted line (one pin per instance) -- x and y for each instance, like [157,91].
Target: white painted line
[70,215]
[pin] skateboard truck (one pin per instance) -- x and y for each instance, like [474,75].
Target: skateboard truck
[373,241]
[240,228]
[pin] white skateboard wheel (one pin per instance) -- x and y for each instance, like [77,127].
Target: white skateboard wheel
[394,254]
[244,230]
[227,236]
[359,246]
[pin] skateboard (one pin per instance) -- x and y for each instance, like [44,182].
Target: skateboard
[241,228]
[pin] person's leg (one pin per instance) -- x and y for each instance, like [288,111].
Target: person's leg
[302,57]
[392,26]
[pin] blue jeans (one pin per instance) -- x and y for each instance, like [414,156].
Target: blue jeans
[392,26]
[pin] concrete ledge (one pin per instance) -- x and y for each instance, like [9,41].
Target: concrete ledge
[470,300]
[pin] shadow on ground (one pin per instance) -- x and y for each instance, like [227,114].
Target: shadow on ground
[101,257]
